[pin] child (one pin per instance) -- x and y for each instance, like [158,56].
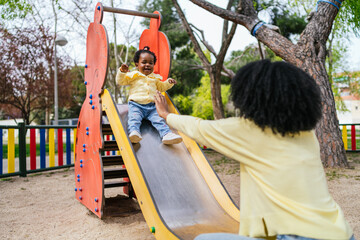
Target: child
[143,86]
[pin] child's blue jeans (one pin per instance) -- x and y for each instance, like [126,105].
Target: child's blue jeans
[138,112]
[228,236]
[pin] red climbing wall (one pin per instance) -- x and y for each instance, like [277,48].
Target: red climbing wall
[88,165]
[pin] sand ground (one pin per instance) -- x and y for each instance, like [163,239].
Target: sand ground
[43,206]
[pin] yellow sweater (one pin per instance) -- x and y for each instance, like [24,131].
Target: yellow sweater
[142,87]
[283,184]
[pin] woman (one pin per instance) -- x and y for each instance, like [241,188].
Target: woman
[283,185]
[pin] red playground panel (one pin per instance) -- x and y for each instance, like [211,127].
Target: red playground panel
[88,166]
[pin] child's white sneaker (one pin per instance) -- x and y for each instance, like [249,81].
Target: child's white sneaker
[171,138]
[135,137]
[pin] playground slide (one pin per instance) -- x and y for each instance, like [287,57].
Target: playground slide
[178,192]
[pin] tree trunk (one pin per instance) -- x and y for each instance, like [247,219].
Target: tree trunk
[116,90]
[330,57]
[313,54]
[327,130]
[216,99]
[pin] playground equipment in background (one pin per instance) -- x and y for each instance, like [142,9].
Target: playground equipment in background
[353,139]
[37,143]
[36,135]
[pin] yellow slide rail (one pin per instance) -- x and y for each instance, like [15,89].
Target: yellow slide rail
[217,189]
[143,195]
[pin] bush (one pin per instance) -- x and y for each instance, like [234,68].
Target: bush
[202,104]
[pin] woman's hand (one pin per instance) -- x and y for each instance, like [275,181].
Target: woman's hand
[161,105]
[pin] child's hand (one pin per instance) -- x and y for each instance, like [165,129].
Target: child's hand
[172,81]
[124,68]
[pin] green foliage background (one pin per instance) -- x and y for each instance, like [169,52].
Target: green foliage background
[199,103]
[192,93]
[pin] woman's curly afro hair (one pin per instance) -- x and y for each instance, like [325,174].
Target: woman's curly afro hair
[146,49]
[277,95]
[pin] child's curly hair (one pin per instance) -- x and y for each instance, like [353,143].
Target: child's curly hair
[277,95]
[146,49]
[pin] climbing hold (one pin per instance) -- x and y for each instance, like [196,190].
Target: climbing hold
[87,128]
[90,96]
[90,102]
[78,179]
[84,145]
[80,197]
[85,82]
[96,210]
[86,66]
[81,165]
[75,189]
[81,160]
[98,8]
[87,133]
[93,107]
[152,229]
[80,189]
[96,200]
[78,175]
[84,150]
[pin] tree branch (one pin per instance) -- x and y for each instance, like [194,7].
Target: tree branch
[227,37]
[246,21]
[226,22]
[203,41]
[319,29]
[188,29]
[275,41]
[227,72]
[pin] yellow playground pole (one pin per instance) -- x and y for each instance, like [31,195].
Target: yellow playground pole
[344,137]
[51,148]
[11,151]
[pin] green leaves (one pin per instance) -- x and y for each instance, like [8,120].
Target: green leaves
[349,16]
[11,9]
[199,103]
[282,15]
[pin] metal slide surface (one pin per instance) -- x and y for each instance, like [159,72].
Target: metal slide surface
[178,189]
